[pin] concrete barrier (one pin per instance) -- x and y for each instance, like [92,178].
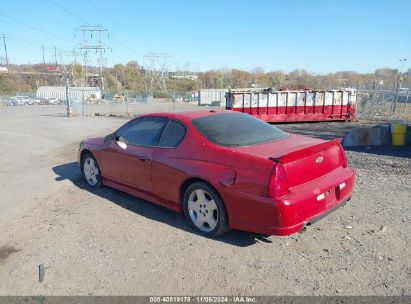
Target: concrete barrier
[408,136]
[379,135]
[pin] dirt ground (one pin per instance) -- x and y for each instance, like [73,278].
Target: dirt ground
[104,242]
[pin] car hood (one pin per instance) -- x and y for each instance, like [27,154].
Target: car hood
[95,141]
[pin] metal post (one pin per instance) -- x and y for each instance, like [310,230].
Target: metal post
[394,107]
[398,86]
[174,101]
[44,62]
[5,50]
[67,99]
[82,104]
[127,105]
[55,55]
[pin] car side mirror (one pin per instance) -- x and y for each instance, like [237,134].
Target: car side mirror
[110,138]
[121,144]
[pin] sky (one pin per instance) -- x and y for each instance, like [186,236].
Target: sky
[317,35]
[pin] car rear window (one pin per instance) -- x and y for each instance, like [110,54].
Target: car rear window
[236,129]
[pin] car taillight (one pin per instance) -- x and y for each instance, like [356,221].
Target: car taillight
[343,157]
[278,185]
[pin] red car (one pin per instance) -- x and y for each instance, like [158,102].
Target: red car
[223,169]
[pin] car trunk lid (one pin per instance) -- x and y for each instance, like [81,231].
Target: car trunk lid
[309,163]
[304,158]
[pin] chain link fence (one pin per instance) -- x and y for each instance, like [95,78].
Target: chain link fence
[128,103]
[383,104]
[87,102]
[372,104]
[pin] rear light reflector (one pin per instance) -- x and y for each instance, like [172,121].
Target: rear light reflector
[278,185]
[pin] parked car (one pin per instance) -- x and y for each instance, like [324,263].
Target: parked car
[43,101]
[24,100]
[54,101]
[7,101]
[222,169]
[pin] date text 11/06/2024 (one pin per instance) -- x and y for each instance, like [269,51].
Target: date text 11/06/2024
[203,299]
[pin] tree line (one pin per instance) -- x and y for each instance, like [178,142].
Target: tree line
[131,76]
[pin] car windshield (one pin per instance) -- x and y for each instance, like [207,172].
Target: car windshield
[236,129]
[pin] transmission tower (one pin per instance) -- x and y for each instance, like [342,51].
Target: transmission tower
[68,62]
[93,49]
[156,66]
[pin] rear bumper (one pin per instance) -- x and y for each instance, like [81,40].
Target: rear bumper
[303,205]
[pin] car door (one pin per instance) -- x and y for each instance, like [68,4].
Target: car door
[128,158]
[168,162]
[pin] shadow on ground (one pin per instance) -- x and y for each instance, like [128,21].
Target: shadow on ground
[71,172]
[383,150]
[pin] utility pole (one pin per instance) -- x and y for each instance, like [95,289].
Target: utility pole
[55,59]
[44,62]
[5,50]
[55,54]
[398,85]
[68,108]
[402,65]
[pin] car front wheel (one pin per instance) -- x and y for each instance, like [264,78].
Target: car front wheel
[204,210]
[91,171]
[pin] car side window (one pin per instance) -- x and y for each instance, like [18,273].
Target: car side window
[173,134]
[145,131]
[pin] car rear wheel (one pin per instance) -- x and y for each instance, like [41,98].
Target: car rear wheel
[91,171]
[204,210]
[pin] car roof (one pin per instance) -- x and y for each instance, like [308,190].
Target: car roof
[188,115]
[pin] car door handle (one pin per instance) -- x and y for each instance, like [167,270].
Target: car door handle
[143,158]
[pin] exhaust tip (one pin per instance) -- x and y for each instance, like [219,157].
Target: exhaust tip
[304,229]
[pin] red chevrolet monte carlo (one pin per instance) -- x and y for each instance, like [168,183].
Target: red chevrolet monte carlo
[223,170]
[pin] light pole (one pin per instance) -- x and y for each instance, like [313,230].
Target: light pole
[402,65]
[399,85]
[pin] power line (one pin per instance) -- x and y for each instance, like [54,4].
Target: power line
[35,28]
[32,42]
[33,13]
[67,11]
[18,45]
[115,22]
[84,22]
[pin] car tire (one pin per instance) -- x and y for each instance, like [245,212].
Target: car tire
[91,171]
[204,210]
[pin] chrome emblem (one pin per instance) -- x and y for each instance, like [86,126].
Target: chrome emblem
[319,159]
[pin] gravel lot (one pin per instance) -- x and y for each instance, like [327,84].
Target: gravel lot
[104,242]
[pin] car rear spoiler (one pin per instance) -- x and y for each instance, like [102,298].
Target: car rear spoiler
[303,152]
